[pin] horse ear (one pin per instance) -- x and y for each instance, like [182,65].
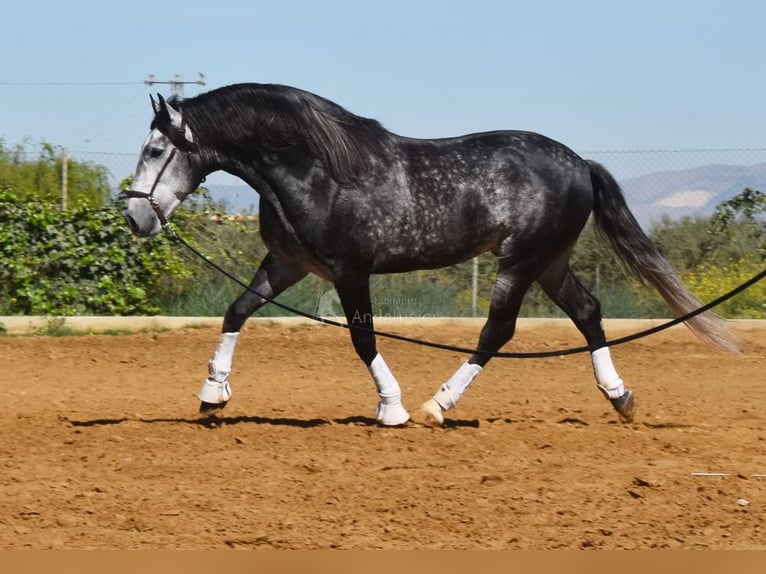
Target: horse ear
[177,124]
[175,115]
[155,105]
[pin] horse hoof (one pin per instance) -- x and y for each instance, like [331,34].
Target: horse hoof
[209,409]
[625,406]
[429,414]
[391,415]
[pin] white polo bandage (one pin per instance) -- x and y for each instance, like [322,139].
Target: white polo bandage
[385,383]
[450,392]
[607,378]
[216,390]
[390,411]
[219,366]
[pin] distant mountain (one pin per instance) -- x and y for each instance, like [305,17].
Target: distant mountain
[694,191]
[236,198]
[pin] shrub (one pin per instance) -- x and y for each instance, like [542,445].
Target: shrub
[709,282]
[79,261]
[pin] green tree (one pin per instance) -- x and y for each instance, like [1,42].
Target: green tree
[37,173]
[741,221]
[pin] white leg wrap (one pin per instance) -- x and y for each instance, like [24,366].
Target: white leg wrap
[607,379]
[216,389]
[450,392]
[219,366]
[390,410]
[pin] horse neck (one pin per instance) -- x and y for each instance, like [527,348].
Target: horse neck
[286,188]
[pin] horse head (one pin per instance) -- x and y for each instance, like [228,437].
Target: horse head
[167,171]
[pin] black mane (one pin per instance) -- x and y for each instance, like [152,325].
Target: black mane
[274,117]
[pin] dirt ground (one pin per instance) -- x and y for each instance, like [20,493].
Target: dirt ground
[102,446]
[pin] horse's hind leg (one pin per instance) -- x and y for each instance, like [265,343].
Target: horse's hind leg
[507,294]
[560,284]
[354,293]
[273,277]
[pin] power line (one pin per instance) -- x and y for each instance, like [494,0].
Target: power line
[3,83]
[176,84]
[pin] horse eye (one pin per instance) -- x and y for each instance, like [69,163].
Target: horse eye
[155,152]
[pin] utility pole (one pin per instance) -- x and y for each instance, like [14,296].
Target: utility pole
[176,84]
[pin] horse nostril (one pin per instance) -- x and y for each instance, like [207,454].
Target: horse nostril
[131,223]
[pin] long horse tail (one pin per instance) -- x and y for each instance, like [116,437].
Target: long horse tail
[615,221]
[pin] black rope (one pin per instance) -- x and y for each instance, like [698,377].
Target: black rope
[466,350]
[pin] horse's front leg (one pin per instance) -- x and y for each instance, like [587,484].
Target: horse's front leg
[354,295]
[273,277]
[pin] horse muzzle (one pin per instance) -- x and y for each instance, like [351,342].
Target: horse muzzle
[142,218]
[153,228]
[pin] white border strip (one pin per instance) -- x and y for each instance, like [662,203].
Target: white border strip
[17,325]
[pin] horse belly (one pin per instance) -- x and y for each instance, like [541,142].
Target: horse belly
[433,244]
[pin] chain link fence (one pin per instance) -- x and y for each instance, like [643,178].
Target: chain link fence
[657,183]
[677,183]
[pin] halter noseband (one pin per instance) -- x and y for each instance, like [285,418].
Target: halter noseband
[150,196]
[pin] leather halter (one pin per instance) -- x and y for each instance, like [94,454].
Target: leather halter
[150,196]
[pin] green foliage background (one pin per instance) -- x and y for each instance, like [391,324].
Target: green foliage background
[84,261]
[36,174]
[79,262]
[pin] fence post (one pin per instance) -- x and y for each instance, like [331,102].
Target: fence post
[64,178]
[474,285]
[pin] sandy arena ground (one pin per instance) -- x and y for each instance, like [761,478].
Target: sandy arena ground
[102,446]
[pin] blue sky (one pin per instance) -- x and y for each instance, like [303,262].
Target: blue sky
[597,75]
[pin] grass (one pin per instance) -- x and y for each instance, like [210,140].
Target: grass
[57,327]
